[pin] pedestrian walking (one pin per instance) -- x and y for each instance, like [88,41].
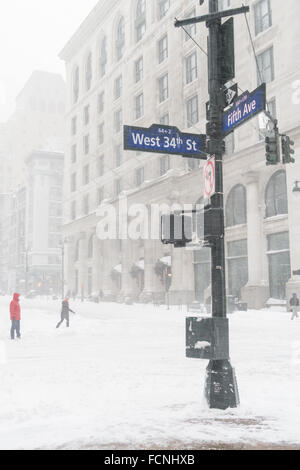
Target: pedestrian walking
[65,310]
[294,304]
[15,316]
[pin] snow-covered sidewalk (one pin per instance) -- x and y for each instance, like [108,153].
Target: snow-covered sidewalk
[119,378]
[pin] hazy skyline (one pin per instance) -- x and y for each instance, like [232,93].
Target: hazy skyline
[32,33]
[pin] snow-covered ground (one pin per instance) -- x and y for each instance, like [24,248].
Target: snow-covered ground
[119,378]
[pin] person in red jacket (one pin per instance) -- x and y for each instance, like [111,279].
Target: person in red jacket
[15,316]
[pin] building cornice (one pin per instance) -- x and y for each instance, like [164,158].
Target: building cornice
[92,22]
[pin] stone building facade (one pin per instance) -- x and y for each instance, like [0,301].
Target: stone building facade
[127,64]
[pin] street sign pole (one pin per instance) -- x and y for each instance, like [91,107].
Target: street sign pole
[220,389]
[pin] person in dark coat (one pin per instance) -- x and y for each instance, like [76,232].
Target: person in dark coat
[65,310]
[15,316]
[294,304]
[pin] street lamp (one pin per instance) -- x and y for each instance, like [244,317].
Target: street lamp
[62,245]
[296,188]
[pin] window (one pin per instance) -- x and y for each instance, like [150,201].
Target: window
[229,145]
[165,119]
[118,120]
[279,264]
[86,115]
[140,20]
[101,102]
[237,262]
[193,164]
[271,108]
[236,207]
[276,195]
[164,164]
[102,58]
[86,144]
[139,176]
[266,66]
[191,67]
[163,85]
[86,175]
[101,165]
[118,155]
[163,49]
[118,87]
[54,260]
[74,126]
[100,195]
[90,252]
[88,72]
[73,210]
[76,85]
[139,106]
[192,111]
[191,29]
[73,182]
[163,7]
[224,5]
[55,210]
[263,16]
[74,153]
[118,187]
[120,42]
[101,133]
[86,205]
[139,69]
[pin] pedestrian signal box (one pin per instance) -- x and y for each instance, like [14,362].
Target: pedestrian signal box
[206,338]
[176,229]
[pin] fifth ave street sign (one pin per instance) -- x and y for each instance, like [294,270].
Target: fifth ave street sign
[245,107]
[164,139]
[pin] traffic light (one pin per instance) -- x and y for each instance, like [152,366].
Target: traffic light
[272,148]
[287,151]
[176,229]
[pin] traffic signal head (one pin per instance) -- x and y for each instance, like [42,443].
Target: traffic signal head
[272,149]
[176,229]
[287,150]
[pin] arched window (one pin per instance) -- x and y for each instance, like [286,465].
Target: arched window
[120,42]
[276,195]
[163,7]
[76,84]
[88,72]
[140,19]
[102,58]
[236,207]
[76,257]
[91,247]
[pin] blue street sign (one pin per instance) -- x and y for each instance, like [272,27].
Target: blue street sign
[165,139]
[245,107]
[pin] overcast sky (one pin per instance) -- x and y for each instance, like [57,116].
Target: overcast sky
[32,33]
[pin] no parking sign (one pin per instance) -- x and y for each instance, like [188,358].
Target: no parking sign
[209,177]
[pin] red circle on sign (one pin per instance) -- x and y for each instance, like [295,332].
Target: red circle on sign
[209,178]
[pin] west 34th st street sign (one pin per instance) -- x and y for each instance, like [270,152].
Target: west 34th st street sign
[164,139]
[245,107]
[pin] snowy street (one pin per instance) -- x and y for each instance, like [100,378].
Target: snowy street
[118,378]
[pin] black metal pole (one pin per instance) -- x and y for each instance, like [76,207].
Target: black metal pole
[220,389]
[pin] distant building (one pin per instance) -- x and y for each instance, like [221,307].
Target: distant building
[38,120]
[34,222]
[31,176]
[128,64]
